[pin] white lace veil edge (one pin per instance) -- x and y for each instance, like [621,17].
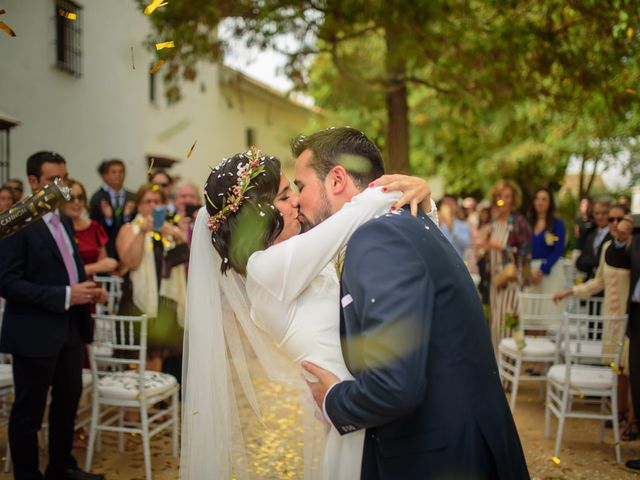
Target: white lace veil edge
[213,443]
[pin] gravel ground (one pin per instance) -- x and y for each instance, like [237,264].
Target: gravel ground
[277,454]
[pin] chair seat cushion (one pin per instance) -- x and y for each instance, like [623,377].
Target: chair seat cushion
[534,347]
[6,375]
[583,376]
[124,385]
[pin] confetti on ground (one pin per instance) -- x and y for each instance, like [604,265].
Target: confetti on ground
[7,29]
[149,9]
[191,149]
[163,45]
[133,63]
[68,15]
[555,460]
[155,67]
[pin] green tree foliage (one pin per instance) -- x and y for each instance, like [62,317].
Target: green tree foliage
[474,89]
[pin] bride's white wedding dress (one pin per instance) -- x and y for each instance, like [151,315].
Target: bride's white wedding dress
[294,293]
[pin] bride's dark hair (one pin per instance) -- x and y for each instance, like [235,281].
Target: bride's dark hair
[256,224]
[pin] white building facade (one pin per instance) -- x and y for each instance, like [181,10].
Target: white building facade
[76,92]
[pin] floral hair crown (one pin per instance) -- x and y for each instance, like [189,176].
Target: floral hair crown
[232,200]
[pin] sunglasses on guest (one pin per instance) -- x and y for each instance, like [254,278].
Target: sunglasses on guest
[615,219]
[77,198]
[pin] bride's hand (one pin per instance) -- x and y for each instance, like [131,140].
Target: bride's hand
[415,191]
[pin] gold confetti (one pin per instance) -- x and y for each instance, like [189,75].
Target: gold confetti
[630,33]
[631,91]
[555,460]
[133,63]
[151,162]
[615,368]
[155,67]
[149,9]
[68,15]
[163,45]
[191,149]
[500,203]
[7,29]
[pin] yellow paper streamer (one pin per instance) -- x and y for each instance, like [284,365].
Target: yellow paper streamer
[149,9]
[191,149]
[68,15]
[156,66]
[7,29]
[555,460]
[163,45]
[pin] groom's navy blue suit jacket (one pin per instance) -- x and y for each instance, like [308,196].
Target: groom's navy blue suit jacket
[426,382]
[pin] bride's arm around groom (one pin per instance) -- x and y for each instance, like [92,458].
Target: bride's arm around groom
[426,383]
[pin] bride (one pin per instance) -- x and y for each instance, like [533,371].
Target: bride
[252,271]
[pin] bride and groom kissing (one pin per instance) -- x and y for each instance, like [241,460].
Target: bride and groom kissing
[369,297]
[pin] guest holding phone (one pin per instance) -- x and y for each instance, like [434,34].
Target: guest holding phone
[154,251]
[187,203]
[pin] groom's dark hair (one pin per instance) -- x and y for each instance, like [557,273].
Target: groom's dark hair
[344,146]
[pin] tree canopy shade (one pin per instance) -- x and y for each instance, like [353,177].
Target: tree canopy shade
[471,88]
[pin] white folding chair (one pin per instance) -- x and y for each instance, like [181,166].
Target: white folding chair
[113,285]
[592,346]
[537,313]
[115,390]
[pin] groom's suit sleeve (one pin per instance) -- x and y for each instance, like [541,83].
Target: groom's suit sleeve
[392,296]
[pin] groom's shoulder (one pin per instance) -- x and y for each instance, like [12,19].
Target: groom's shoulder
[389,225]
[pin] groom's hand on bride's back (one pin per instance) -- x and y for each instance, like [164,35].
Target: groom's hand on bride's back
[415,191]
[326,380]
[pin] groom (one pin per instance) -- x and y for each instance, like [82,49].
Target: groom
[414,335]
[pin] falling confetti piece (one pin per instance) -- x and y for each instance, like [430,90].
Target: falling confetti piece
[163,45]
[68,15]
[191,149]
[151,162]
[630,33]
[7,29]
[149,9]
[555,460]
[195,413]
[500,203]
[631,91]
[133,63]
[156,66]
[615,368]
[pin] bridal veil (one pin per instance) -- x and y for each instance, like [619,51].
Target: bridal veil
[219,337]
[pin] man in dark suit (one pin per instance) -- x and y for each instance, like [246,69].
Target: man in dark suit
[112,205]
[426,386]
[589,258]
[633,329]
[46,323]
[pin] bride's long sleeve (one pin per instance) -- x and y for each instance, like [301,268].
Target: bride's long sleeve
[286,269]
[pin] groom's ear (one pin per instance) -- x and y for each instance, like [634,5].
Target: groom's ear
[337,180]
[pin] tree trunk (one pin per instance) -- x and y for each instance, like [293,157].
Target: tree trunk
[397,148]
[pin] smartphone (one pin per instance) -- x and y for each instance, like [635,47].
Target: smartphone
[159,217]
[190,210]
